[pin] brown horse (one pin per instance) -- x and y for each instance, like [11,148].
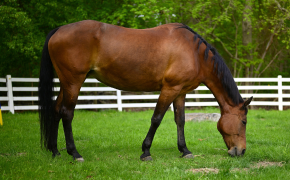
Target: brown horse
[171,58]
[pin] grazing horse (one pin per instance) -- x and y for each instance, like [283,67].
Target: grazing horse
[170,58]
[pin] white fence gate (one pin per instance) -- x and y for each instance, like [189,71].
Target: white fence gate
[272,90]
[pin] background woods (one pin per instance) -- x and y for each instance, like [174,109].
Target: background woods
[252,36]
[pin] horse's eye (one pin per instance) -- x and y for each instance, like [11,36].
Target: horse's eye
[244,122]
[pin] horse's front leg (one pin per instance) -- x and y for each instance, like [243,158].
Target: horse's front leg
[179,117]
[166,97]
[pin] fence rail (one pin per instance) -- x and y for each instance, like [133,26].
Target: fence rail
[277,93]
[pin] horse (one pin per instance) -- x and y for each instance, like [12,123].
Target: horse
[170,58]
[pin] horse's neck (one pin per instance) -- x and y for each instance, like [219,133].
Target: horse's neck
[216,87]
[220,94]
[211,80]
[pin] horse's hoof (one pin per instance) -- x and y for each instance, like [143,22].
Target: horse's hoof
[80,159]
[188,156]
[148,158]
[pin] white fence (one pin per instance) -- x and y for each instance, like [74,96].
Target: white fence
[276,95]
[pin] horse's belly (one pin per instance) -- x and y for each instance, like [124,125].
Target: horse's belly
[128,79]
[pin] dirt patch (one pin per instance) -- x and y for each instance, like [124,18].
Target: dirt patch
[262,164]
[204,170]
[267,164]
[202,117]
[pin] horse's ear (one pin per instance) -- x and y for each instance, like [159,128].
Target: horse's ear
[247,102]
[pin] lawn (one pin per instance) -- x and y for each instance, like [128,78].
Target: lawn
[110,143]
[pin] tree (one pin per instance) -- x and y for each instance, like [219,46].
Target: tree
[18,40]
[245,31]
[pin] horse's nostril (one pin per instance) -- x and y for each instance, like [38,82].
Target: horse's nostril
[243,151]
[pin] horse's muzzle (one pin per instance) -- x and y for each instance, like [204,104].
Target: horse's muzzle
[235,151]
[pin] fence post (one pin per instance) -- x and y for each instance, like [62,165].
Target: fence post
[280,93]
[10,94]
[119,100]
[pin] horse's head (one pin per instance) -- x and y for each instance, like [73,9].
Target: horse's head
[232,127]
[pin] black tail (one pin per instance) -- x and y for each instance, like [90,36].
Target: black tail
[45,93]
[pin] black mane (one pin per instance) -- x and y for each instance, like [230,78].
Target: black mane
[220,68]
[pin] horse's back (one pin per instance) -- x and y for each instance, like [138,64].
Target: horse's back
[129,59]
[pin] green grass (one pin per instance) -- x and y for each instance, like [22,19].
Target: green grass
[110,143]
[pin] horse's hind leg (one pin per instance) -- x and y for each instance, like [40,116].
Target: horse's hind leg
[166,97]
[70,95]
[179,118]
[52,144]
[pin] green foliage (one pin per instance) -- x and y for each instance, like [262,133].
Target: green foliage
[18,40]
[110,143]
[221,23]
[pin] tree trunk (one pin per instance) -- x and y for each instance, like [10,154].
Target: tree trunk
[247,37]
